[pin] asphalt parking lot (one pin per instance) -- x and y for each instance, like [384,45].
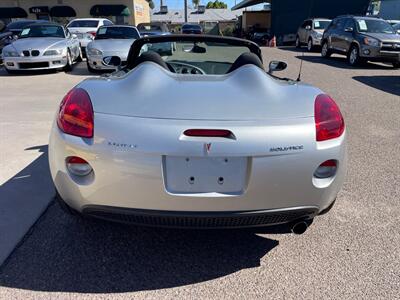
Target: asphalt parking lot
[352,252]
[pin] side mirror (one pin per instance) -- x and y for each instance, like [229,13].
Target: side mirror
[276,65]
[348,29]
[112,61]
[308,27]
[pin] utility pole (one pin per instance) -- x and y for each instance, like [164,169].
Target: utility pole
[186,16]
[161,3]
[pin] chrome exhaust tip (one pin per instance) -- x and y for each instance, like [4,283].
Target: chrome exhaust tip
[299,227]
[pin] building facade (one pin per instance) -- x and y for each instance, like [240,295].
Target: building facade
[130,12]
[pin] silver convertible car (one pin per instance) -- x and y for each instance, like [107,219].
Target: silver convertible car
[115,40]
[202,138]
[42,46]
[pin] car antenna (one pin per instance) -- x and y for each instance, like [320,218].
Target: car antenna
[301,67]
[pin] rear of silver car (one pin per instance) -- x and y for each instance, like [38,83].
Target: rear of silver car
[162,170]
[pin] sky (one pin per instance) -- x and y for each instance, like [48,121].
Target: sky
[176,4]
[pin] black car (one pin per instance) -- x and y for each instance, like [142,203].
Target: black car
[192,29]
[362,39]
[5,38]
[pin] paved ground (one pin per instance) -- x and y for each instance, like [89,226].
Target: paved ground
[352,252]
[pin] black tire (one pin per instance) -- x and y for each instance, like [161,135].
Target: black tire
[297,42]
[353,56]
[310,46]
[68,67]
[64,206]
[325,51]
[396,65]
[79,58]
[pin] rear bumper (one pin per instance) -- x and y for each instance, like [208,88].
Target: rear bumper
[201,220]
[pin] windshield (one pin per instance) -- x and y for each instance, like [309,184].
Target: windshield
[321,24]
[373,26]
[43,31]
[116,32]
[209,57]
[149,27]
[396,26]
[83,23]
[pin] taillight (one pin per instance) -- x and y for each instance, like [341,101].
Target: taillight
[75,116]
[92,33]
[209,133]
[327,169]
[78,166]
[329,121]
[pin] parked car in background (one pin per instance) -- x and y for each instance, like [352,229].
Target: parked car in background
[310,33]
[261,36]
[114,40]
[42,46]
[5,38]
[362,39]
[154,28]
[157,28]
[85,29]
[192,29]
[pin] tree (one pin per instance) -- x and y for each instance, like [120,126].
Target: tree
[216,4]
[196,3]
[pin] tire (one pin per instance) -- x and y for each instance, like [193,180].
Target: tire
[353,56]
[310,46]
[79,58]
[396,65]
[68,66]
[298,44]
[325,51]
[64,206]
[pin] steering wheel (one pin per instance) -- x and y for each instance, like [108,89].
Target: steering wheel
[184,68]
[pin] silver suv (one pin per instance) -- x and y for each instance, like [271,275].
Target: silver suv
[310,33]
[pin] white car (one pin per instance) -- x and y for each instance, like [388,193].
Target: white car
[42,46]
[85,29]
[115,40]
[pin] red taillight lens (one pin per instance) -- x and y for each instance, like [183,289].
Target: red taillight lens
[329,121]
[92,33]
[209,133]
[75,116]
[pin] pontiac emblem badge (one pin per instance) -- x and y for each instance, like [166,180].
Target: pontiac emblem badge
[207,147]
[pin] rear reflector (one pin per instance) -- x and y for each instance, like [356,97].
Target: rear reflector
[329,121]
[78,166]
[209,133]
[326,170]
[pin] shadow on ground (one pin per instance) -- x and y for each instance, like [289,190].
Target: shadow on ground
[341,62]
[388,84]
[79,69]
[66,253]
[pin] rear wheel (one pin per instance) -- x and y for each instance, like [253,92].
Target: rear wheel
[325,51]
[298,44]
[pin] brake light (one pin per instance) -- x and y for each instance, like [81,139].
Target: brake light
[75,116]
[329,122]
[92,33]
[209,133]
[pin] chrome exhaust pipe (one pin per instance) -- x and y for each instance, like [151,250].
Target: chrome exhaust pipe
[299,227]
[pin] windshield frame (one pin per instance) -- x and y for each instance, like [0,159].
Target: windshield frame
[116,27]
[44,24]
[137,45]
